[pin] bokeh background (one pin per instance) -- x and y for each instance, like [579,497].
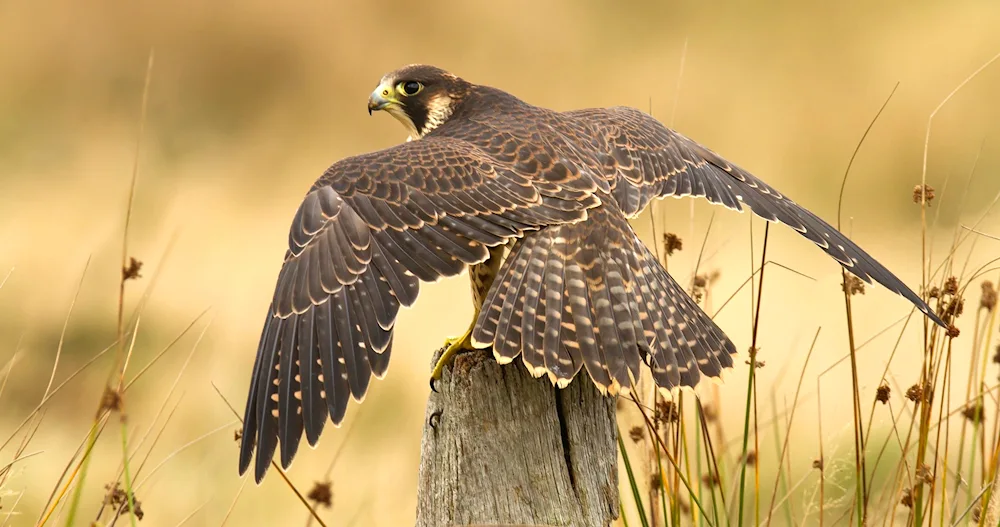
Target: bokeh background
[250,101]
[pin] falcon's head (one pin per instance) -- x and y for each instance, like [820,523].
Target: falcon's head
[421,97]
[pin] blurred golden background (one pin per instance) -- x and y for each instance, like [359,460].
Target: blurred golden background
[250,102]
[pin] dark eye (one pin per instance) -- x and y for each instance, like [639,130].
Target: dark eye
[411,88]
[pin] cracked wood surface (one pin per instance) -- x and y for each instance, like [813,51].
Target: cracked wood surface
[502,448]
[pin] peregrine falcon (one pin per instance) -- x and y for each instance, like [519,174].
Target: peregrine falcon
[537,202]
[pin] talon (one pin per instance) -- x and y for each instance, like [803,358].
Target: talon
[455,346]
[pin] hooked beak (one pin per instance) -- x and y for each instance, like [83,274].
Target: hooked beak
[381,98]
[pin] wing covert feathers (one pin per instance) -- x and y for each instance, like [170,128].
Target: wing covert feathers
[645,160]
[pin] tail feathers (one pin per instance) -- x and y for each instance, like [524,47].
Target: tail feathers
[591,295]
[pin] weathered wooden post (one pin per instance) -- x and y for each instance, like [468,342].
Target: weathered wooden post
[502,448]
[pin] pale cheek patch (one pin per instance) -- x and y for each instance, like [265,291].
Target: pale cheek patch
[438,111]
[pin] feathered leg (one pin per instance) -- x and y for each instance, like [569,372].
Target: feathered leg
[481,276]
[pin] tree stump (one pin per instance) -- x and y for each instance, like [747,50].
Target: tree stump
[502,448]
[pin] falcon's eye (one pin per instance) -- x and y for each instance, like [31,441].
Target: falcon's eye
[409,88]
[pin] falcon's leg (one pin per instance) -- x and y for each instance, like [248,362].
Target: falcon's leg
[481,275]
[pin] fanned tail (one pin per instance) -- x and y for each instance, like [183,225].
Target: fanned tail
[590,295]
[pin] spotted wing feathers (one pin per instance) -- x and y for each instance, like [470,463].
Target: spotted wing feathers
[366,234]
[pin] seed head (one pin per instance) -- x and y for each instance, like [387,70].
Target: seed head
[925,474]
[636,433]
[131,271]
[923,193]
[974,412]
[853,285]
[954,308]
[118,499]
[951,285]
[111,400]
[672,243]
[882,393]
[655,482]
[322,494]
[918,393]
[907,499]
[665,412]
[988,300]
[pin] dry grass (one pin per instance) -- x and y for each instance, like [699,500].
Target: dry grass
[913,491]
[246,105]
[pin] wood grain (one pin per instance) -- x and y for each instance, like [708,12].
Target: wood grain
[502,448]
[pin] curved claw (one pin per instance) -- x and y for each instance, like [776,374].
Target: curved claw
[454,347]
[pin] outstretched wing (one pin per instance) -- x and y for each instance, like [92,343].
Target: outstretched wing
[644,160]
[365,235]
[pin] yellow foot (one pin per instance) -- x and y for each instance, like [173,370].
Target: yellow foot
[455,345]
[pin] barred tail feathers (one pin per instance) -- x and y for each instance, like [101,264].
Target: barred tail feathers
[590,295]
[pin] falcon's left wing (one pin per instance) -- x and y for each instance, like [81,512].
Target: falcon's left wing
[365,235]
[644,160]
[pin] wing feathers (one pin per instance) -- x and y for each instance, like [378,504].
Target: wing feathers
[289,394]
[314,411]
[364,237]
[335,384]
[669,164]
[267,426]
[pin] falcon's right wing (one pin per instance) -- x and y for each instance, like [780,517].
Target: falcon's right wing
[646,160]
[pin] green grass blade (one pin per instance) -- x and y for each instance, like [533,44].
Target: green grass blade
[640,508]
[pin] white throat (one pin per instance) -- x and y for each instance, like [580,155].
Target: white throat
[401,116]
